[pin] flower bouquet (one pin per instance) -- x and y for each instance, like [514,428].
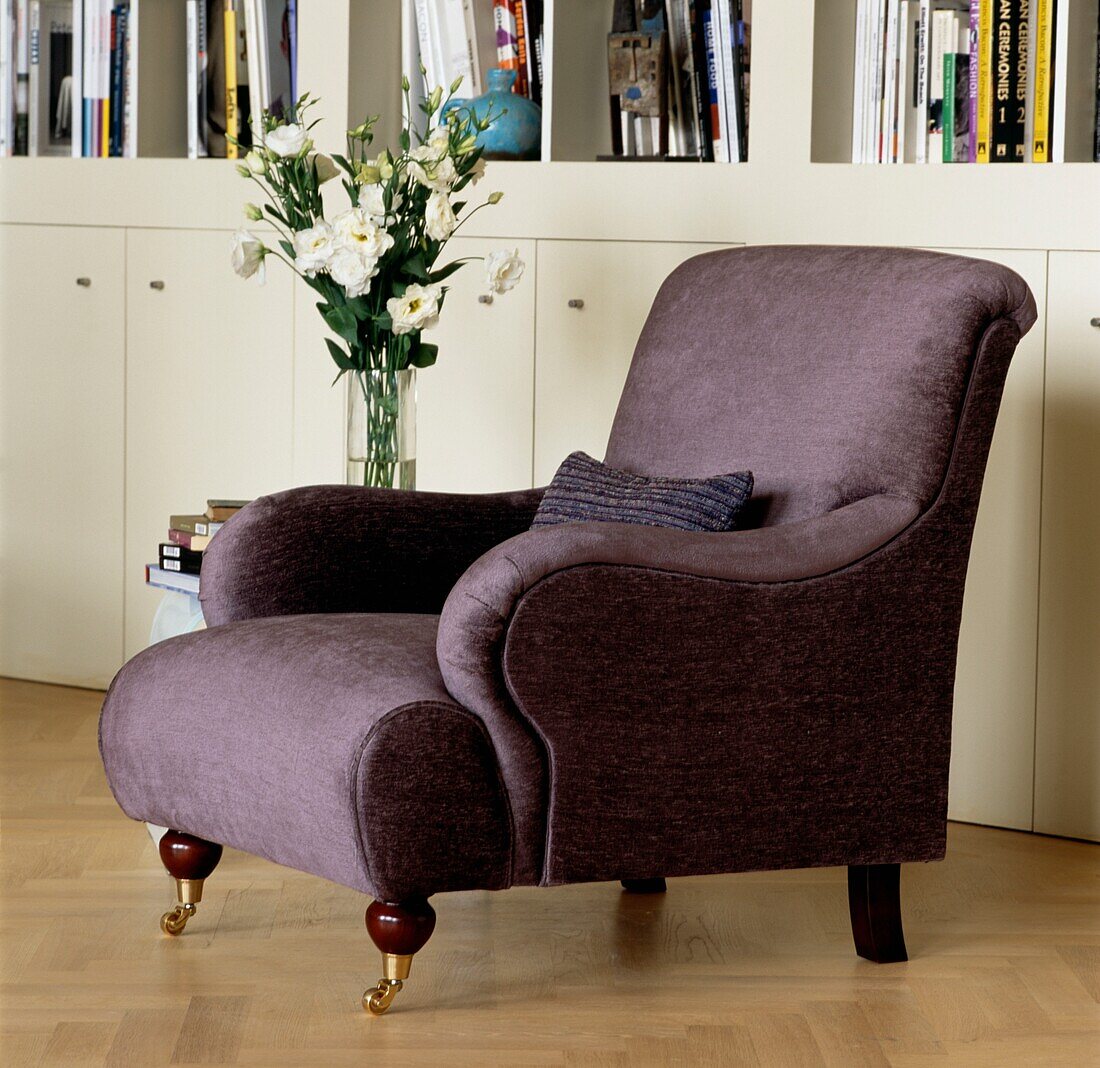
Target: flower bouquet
[375,264]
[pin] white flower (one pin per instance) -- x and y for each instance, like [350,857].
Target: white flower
[352,271]
[372,200]
[357,231]
[326,169]
[416,310]
[503,269]
[440,140]
[248,255]
[286,140]
[432,168]
[313,248]
[439,217]
[255,162]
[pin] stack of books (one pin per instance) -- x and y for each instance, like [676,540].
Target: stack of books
[464,39]
[242,60]
[179,559]
[963,81]
[69,73]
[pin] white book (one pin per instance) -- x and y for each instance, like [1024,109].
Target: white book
[429,44]
[254,47]
[890,83]
[723,63]
[193,79]
[875,82]
[130,85]
[859,79]
[78,78]
[721,142]
[7,76]
[944,36]
[924,63]
[470,22]
[908,36]
[410,57]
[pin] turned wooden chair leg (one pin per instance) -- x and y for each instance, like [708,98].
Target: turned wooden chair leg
[644,886]
[189,861]
[399,930]
[874,900]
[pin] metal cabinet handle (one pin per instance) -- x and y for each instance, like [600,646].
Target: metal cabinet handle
[84,283]
[485,298]
[1095,322]
[577,303]
[156,285]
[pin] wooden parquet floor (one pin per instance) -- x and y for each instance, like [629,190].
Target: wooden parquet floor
[731,970]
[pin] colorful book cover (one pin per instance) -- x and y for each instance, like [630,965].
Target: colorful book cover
[972,84]
[1042,97]
[232,119]
[985,81]
[1009,81]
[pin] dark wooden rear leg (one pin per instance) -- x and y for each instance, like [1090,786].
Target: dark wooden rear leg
[644,886]
[189,861]
[399,930]
[874,900]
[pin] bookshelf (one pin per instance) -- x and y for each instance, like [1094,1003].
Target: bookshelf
[588,230]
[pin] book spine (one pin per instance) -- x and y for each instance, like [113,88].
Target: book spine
[21,70]
[858,76]
[521,87]
[704,140]
[232,119]
[424,35]
[713,93]
[1042,69]
[890,84]
[949,107]
[292,47]
[118,36]
[740,80]
[905,78]
[192,79]
[34,119]
[104,130]
[877,82]
[972,83]
[923,53]
[727,103]
[469,21]
[129,115]
[1010,54]
[87,21]
[985,82]
[1096,86]
[507,54]
[77,113]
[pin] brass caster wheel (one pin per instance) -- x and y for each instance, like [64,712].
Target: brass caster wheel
[378,1000]
[173,923]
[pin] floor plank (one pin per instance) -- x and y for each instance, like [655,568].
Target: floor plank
[726,970]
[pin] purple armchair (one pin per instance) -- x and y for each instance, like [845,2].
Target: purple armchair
[410,693]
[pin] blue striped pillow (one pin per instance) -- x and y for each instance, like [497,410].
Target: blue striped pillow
[586,491]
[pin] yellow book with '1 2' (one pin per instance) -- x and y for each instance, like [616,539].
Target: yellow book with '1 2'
[232,116]
[1044,45]
[985,79]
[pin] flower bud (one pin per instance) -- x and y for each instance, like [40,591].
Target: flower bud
[243,171]
[368,174]
[306,149]
[405,83]
[455,84]
[385,166]
[467,144]
[253,213]
[255,163]
[435,99]
[496,198]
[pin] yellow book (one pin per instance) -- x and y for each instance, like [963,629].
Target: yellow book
[985,79]
[105,132]
[232,116]
[1044,45]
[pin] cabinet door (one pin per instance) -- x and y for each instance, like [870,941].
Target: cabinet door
[61,439]
[593,298]
[1067,756]
[209,397]
[475,405]
[994,719]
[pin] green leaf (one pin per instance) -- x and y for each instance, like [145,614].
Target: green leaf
[424,355]
[340,357]
[389,403]
[359,308]
[415,267]
[342,322]
[405,140]
[384,321]
[446,272]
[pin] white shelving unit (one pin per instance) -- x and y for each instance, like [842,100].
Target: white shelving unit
[604,233]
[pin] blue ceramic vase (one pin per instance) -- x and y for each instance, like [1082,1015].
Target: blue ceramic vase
[516,130]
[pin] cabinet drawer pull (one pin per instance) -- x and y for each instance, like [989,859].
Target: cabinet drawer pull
[577,303]
[1095,322]
[156,285]
[485,298]
[84,283]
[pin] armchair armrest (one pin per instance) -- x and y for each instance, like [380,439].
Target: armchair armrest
[346,549]
[657,668]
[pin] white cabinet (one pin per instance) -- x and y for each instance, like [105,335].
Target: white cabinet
[209,391]
[475,405]
[62,360]
[994,719]
[1067,739]
[593,298]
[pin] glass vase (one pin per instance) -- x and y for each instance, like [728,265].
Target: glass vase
[382,428]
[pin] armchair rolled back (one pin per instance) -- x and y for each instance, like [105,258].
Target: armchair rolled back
[832,373]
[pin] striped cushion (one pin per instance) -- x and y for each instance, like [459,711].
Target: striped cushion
[585,491]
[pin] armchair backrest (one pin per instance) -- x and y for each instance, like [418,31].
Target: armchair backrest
[832,373]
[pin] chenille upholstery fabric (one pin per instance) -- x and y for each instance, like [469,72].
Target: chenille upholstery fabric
[590,701]
[323,742]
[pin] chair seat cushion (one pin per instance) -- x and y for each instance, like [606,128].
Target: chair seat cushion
[324,742]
